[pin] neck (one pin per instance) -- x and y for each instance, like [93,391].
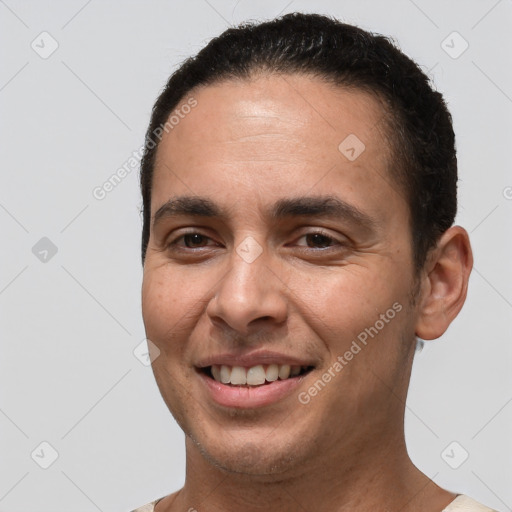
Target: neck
[369,478]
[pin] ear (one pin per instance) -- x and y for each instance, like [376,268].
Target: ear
[444,283]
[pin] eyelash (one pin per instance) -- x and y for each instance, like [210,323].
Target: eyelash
[174,244]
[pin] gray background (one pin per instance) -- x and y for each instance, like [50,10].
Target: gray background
[70,321]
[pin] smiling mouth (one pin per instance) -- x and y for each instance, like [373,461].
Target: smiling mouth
[258,375]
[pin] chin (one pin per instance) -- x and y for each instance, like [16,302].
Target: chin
[245,442]
[249,456]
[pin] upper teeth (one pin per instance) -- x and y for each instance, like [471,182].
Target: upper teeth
[255,375]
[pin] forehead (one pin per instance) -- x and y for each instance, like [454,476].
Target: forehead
[270,133]
[302,107]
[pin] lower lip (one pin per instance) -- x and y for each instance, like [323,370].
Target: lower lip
[245,397]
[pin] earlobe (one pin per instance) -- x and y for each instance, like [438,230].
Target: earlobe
[445,283]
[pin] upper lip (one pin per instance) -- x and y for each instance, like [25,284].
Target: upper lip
[263,357]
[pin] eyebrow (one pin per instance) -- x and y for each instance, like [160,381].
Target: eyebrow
[304,206]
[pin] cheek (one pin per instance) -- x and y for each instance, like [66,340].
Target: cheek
[353,310]
[344,298]
[161,307]
[171,305]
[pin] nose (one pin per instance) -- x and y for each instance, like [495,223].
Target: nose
[250,297]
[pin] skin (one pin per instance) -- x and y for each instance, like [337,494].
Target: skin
[246,145]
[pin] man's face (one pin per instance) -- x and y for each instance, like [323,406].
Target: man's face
[265,275]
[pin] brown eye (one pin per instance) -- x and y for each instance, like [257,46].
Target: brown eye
[194,239]
[318,239]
